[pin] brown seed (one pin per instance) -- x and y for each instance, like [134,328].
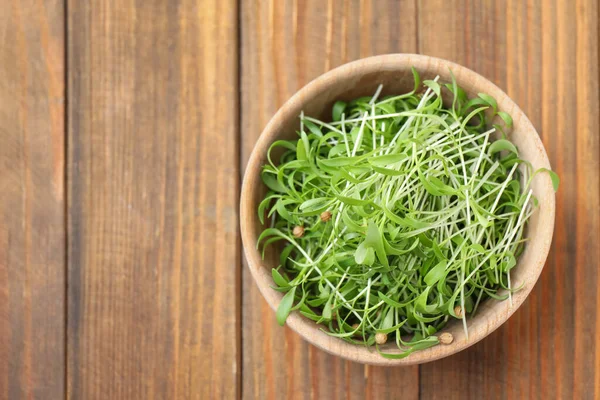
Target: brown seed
[355,328]
[458,311]
[380,338]
[298,231]
[446,338]
[325,216]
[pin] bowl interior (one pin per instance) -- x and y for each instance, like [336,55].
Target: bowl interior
[362,78]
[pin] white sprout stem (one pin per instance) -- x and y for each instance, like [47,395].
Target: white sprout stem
[508,178]
[337,288]
[338,294]
[512,235]
[374,128]
[483,230]
[374,117]
[468,207]
[359,295]
[376,95]
[360,135]
[506,239]
[462,301]
[368,294]
[315,268]
[424,100]
[475,173]
[325,124]
[330,246]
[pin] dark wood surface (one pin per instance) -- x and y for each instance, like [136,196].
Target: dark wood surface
[153,180]
[124,128]
[32,200]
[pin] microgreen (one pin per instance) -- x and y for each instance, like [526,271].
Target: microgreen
[397,216]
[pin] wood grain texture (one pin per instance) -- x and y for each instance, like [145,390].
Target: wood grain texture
[32,228]
[153,175]
[545,55]
[153,271]
[284,45]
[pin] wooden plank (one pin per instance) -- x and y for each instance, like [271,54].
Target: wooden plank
[284,46]
[32,228]
[153,190]
[545,55]
[585,76]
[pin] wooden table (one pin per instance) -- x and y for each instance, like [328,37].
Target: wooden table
[124,129]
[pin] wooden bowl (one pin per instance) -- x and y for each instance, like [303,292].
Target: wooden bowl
[361,78]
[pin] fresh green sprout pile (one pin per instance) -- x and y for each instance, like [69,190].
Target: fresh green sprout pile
[398,216]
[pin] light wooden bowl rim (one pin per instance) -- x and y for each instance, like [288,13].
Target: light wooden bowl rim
[482,324]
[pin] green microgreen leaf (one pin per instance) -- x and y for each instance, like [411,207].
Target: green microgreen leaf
[285,306]
[501,145]
[338,110]
[489,100]
[436,273]
[278,279]
[506,118]
[553,177]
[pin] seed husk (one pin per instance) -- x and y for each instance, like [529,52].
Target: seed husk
[298,231]
[446,338]
[325,216]
[381,338]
